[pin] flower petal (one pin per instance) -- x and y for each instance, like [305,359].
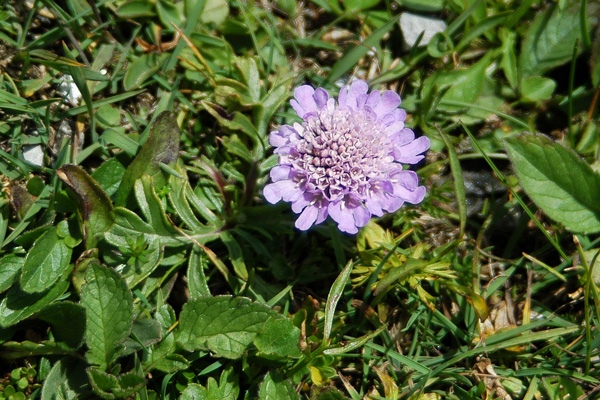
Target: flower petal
[390,100]
[280,173]
[361,215]
[354,91]
[321,96]
[307,218]
[304,102]
[409,153]
[274,192]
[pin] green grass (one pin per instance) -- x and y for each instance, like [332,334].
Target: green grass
[140,260]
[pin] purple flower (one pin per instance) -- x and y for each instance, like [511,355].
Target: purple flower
[345,159]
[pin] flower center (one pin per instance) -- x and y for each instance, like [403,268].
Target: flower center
[341,150]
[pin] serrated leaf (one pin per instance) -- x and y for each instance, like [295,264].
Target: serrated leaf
[110,386]
[11,266]
[66,380]
[162,146]
[96,209]
[549,40]
[18,305]
[276,387]
[280,337]
[227,388]
[560,183]
[47,261]
[109,314]
[225,325]
[67,321]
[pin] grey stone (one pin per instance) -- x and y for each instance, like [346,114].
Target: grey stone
[412,25]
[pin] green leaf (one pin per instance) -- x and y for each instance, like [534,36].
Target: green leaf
[399,274]
[508,63]
[96,209]
[334,296]
[67,321]
[109,314]
[195,275]
[537,88]
[18,305]
[11,350]
[462,85]
[179,193]
[225,325]
[459,183]
[141,69]
[423,5]
[557,180]
[11,266]
[109,386]
[235,254]
[144,333]
[595,59]
[47,261]
[158,230]
[66,380]
[549,40]
[227,388]
[109,176]
[164,357]
[280,337]
[328,393]
[136,8]
[162,146]
[359,5]
[276,387]
[178,200]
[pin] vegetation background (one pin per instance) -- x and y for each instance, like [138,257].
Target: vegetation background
[138,258]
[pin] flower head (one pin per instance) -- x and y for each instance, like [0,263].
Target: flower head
[346,158]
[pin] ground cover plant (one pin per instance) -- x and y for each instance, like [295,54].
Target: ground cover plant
[164,235]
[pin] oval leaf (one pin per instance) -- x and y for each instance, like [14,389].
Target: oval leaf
[557,180]
[47,261]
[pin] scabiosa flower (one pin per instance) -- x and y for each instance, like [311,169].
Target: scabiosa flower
[346,159]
